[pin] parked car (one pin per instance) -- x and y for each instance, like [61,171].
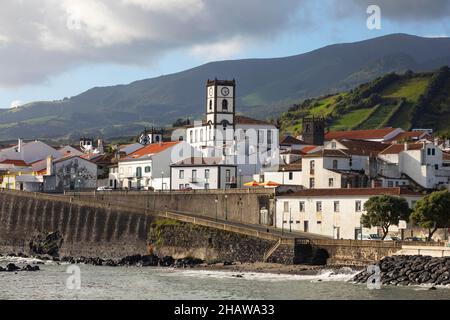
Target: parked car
[414,239]
[375,237]
[104,188]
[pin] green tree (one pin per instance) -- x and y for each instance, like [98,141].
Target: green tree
[384,211]
[433,212]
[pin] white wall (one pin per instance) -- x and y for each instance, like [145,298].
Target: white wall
[347,219]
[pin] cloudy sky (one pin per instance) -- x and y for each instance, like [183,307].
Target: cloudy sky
[51,49]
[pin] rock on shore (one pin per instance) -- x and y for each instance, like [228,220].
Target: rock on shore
[410,270]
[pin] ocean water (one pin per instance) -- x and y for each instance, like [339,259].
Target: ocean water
[132,283]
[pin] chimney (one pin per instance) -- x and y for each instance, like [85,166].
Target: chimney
[436,141]
[373,183]
[406,146]
[49,166]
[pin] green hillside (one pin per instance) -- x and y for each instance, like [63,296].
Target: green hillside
[409,100]
[265,89]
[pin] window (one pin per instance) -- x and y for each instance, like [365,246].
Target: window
[397,183]
[148,169]
[225,105]
[194,174]
[210,105]
[436,167]
[191,136]
[301,205]
[305,226]
[269,137]
[333,145]
[228,175]
[181,186]
[260,136]
[331,182]
[350,162]
[433,152]
[335,164]
[291,176]
[358,206]
[312,183]
[413,204]
[138,172]
[390,184]
[110,183]
[312,166]
[286,206]
[181,174]
[207,174]
[336,206]
[206,186]
[319,206]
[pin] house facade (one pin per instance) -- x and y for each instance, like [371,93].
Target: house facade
[334,213]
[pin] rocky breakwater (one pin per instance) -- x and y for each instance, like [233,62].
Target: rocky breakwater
[138,260]
[410,270]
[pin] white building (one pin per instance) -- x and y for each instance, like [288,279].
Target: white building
[423,163]
[202,173]
[247,143]
[148,167]
[28,152]
[70,174]
[334,213]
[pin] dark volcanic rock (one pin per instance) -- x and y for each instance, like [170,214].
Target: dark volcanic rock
[410,270]
[12,267]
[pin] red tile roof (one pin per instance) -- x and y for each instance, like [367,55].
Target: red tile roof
[17,163]
[327,153]
[247,120]
[397,148]
[151,149]
[290,140]
[308,149]
[362,147]
[446,156]
[359,134]
[350,192]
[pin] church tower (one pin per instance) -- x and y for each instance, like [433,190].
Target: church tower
[314,131]
[220,110]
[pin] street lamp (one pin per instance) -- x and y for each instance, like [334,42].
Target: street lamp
[216,201]
[226,213]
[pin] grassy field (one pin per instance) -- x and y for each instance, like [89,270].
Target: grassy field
[411,89]
[350,119]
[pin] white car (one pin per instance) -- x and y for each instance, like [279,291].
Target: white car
[104,188]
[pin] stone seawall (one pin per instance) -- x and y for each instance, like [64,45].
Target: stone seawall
[235,205]
[87,230]
[179,240]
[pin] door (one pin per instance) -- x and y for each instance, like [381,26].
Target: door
[306,226]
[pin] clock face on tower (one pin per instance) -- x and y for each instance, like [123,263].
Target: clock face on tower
[225,91]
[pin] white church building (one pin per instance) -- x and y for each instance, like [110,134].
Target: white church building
[250,145]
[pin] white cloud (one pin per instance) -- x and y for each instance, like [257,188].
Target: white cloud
[16,103]
[43,38]
[219,50]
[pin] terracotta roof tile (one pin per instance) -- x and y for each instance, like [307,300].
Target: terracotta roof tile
[247,120]
[199,161]
[17,163]
[327,153]
[362,147]
[409,135]
[359,134]
[290,140]
[151,149]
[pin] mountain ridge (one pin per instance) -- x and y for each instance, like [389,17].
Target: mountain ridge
[265,88]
